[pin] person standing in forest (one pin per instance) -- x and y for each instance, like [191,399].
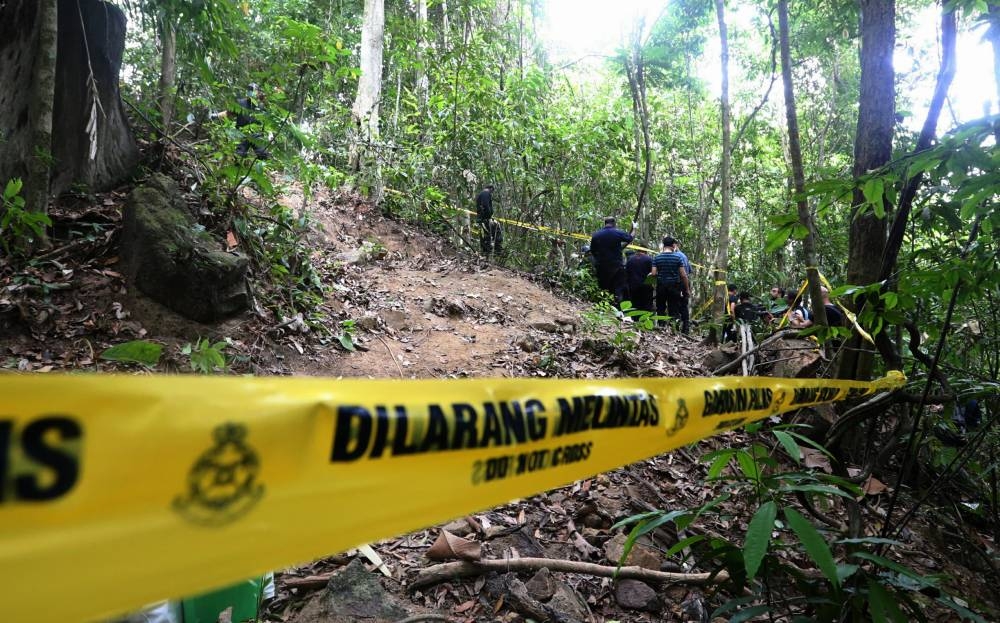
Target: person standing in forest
[672,286]
[637,268]
[686,303]
[490,236]
[606,246]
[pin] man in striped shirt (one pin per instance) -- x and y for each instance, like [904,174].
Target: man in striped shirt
[672,287]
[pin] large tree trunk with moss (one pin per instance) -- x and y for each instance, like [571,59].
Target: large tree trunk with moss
[92,143]
[872,149]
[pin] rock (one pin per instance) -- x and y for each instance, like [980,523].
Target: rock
[459,527]
[642,555]
[526,342]
[798,359]
[636,595]
[720,356]
[545,325]
[354,594]
[368,251]
[567,324]
[570,603]
[542,586]
[171,260]
[396,320]
[522,541]
[367,323]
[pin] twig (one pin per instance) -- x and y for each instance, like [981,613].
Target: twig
[451,570]
[386,344]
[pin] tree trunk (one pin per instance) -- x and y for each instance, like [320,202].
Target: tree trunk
[168,71]
[91,35]
[365,112]
[872,149]
[720,307]
[798,175]
[634,69]
[42,97]
[423,83]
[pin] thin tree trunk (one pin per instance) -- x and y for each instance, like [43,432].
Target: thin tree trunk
[42,104]
[423,83]
[872,149]
[927,133]
[722,255]
[798,175]
[365,112]
[634,67]
[168,71]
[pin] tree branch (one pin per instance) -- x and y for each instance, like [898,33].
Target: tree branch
[462,569]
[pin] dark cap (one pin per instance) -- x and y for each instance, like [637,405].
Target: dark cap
[669,241]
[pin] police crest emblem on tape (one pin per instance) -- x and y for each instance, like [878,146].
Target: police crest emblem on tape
[222,484]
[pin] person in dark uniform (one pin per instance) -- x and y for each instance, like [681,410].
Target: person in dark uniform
[606,246]
[490,235]
[637,268]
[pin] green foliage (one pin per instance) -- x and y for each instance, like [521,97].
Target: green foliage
[206,357]
[853,580]
[19,227]
[137,351]
[346,336]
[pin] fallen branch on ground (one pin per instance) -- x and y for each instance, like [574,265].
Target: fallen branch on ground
[735,362]
[452,570]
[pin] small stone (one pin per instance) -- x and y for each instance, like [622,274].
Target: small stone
[569,602]
[367,323]
[542,586]
[641,555]
[545,325]
[395,319]
[459,527]
[636,595]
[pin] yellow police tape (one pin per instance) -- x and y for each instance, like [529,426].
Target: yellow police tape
[122,490]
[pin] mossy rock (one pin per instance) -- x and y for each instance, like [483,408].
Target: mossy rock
[175,262]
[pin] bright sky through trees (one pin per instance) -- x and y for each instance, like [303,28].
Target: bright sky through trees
[590,29]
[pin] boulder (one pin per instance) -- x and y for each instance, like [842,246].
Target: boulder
[175,262]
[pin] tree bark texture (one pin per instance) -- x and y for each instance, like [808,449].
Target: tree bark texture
[725,184]
[635,69]
[872,149]
[168,71]
[91,34]
[43,86]
[798,175]
[365,111]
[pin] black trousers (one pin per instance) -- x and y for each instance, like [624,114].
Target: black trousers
[669,301]
[642,296]
[611,278]
[490,237]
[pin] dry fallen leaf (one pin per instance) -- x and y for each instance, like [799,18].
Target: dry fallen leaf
[448,546]
[873,486]
[815,458]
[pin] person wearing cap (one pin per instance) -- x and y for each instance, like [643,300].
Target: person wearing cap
[672,286]
[606,246]
[253,136]
[490,235]
[637,267]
